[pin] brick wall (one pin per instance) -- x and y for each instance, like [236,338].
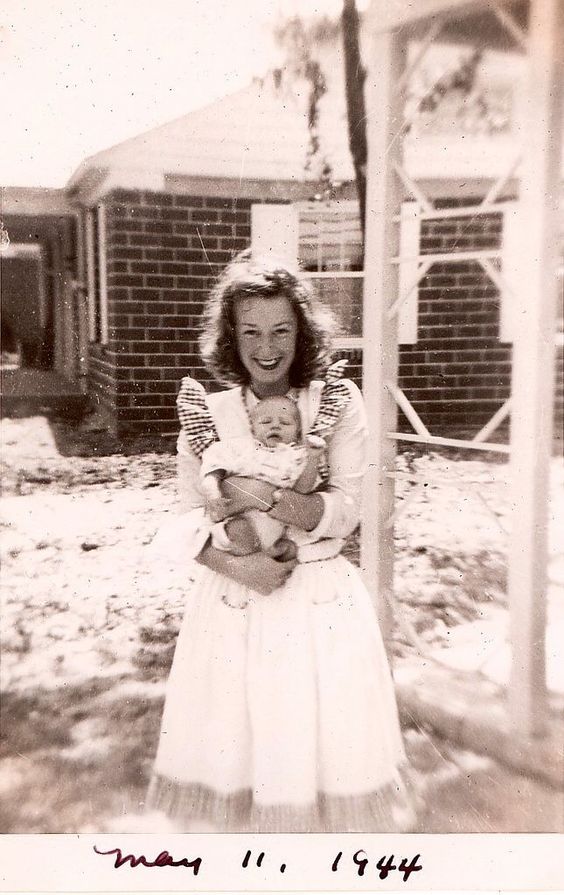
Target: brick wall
[458,373]
[163,255]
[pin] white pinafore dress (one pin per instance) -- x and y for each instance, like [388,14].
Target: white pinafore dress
[280,713]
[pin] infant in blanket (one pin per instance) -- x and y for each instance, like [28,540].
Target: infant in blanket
[277,456]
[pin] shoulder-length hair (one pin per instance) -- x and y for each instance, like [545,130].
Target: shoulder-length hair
[252,277]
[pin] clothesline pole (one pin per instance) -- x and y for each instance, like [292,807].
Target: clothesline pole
[381,281]
[533,366]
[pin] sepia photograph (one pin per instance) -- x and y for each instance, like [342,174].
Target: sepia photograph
[282,384]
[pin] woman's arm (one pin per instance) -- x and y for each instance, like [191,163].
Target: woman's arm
[303,510]
[257,570]
[309,477]
[247,493]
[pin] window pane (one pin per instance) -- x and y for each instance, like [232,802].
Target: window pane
[330,236]
[344,297]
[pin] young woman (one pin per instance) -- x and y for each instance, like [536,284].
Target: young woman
[280,714]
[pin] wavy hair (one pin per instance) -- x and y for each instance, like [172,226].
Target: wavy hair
[246,277]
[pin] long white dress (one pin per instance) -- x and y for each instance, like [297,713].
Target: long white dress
[280,714]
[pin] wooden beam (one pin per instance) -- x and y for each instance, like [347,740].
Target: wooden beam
[407,291]
[57,297]
[450,442]
[497,188]
[394,14]
[494,422]
[381,280]
[511,26]
[348,343]
[451,257]
[410,184]
[80,290]
[408,409]
[102,274]
[91,272]
[533,367]
[430,37]
[466,211]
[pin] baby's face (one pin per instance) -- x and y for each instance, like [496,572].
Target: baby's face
[276,421]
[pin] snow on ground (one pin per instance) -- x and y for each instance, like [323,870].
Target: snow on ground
[89,619]
[80,594]
[463,533]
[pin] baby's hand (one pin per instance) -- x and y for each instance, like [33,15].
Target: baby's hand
[218,508]
[315,443]
[283,550]
[242,536]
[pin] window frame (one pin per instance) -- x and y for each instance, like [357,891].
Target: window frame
[96,274]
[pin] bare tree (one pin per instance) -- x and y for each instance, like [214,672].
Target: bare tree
[355,75]
[301,41]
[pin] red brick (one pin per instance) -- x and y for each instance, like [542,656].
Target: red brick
[123,279]
[158,282]
[115,239]
[176,267]
[204,216]
[176,242]
[157,199]
[217,230]
[219,202]
[126,227]
[188,201]
[158,227]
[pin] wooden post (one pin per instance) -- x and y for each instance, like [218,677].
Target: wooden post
[102,274]
[533,367]
[58,298]
[91,273]
[381,284]
[81,300]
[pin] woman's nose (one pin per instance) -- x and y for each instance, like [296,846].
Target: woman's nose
[265,345]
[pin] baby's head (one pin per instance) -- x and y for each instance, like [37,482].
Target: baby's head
[276,420]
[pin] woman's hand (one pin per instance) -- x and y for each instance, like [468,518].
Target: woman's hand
[246,494]
[303,510]
[257,570]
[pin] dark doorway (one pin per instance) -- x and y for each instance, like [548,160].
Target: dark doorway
[27,332]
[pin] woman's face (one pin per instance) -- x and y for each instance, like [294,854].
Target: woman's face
[266,330]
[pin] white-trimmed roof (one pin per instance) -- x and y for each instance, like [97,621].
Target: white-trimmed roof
[259,132]
[25,200]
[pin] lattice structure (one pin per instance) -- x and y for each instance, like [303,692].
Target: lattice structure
[536,167]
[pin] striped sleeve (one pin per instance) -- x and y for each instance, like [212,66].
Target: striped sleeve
[195,417]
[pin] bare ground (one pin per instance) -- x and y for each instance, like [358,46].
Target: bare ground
[88,631]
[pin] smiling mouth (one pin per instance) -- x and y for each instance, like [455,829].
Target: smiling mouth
[267,364]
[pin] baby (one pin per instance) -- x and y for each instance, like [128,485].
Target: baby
[277,456]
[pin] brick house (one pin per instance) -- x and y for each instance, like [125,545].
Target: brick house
[161,214]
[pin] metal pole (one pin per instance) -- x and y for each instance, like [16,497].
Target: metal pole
[533,368]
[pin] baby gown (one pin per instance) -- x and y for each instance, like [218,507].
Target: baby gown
[280,713]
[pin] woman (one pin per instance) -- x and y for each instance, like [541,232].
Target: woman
[280,715]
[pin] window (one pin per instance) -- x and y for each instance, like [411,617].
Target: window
[330,248]
[95,243]
[326,237]
[330,251]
